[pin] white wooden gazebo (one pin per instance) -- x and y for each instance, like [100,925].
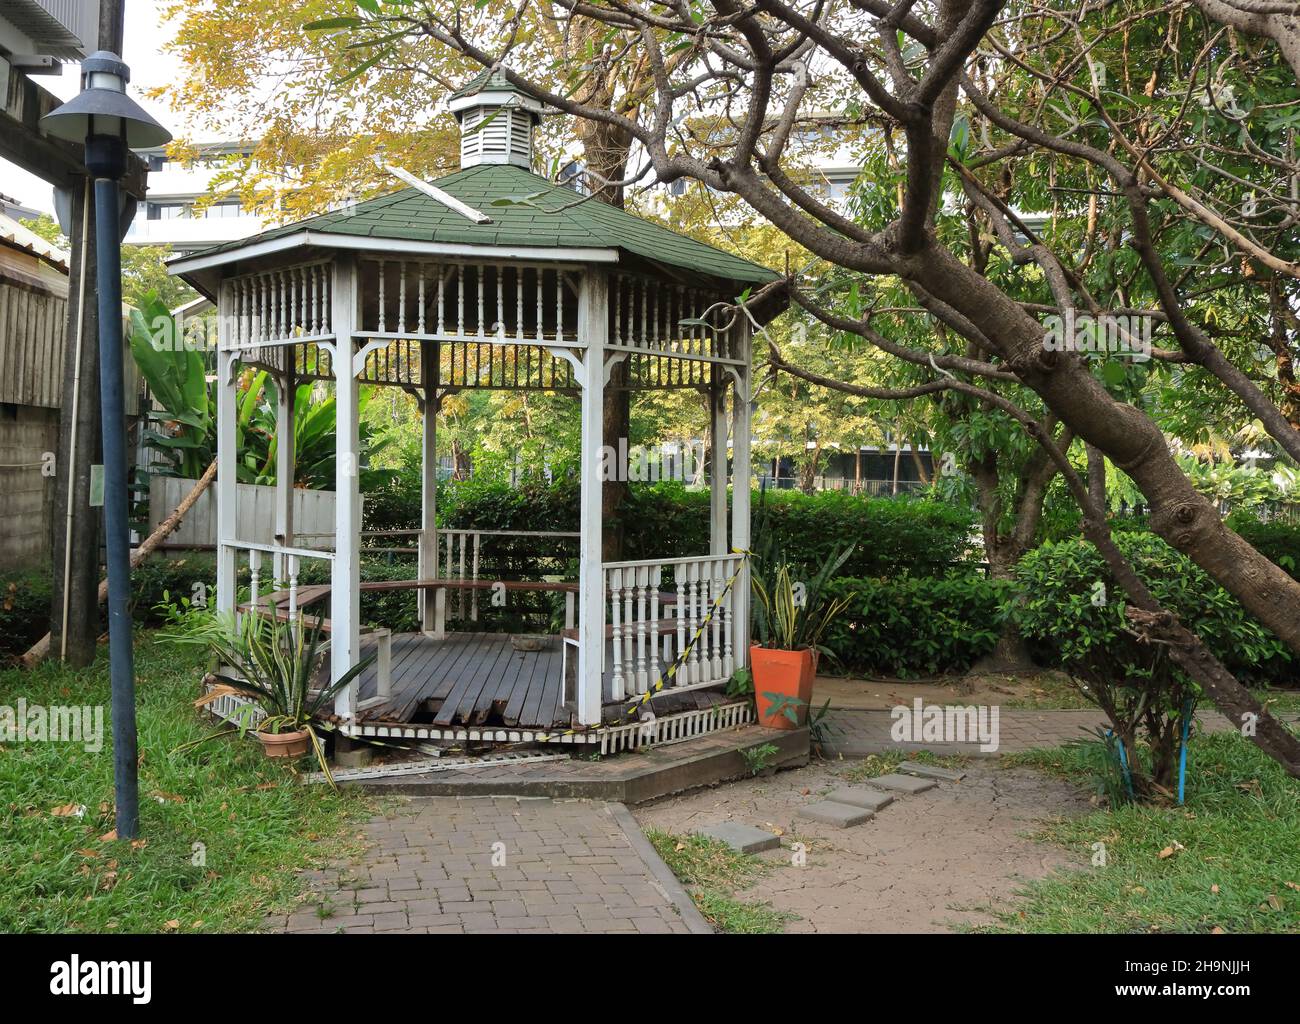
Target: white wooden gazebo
[439,288]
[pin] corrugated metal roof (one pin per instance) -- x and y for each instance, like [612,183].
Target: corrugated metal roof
[16,236]
[551,217]
[60,28]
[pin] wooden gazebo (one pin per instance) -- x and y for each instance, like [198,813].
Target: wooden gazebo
[438,288]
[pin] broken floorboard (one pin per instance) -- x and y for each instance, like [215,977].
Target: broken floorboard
[479,679]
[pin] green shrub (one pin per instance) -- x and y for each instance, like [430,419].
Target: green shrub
[1071,606]
[1063,611]
[24,609]
[891,536]
[916,625]
[1278,542]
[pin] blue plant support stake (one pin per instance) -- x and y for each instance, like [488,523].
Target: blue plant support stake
[1123,763]
[1182,756]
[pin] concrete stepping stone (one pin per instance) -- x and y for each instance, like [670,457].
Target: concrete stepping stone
[903,783]
[741,838]
[929,771]
[870,799]
[828,812]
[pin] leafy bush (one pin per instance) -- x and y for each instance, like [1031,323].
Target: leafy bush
[1064,610]
[24,609]
[1071,606]
[916,625]
[1278,542]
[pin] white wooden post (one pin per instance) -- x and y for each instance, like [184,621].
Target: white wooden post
[428,543]
[593,297]
[226,453]
[740,490]
[718,475]
[284,453]
[345,580]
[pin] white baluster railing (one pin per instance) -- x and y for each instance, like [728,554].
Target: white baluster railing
[655,607]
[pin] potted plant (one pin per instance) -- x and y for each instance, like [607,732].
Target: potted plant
[789,621]
[275,663]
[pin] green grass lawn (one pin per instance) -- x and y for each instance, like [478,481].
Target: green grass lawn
[712,872]
[257,826]
[1229,859]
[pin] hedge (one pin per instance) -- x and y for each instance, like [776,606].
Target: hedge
[916,625]
[893,536]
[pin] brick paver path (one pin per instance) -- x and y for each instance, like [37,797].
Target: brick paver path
[855,732]
[562,866]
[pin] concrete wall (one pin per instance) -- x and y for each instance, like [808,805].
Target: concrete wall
[27,433]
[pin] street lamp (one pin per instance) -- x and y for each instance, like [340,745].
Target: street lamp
[110,123]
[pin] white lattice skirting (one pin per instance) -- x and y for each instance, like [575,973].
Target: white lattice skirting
[675,728]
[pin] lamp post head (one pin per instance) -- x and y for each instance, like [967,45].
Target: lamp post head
[104,117]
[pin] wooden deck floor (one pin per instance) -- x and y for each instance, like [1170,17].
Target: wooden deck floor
[480,679]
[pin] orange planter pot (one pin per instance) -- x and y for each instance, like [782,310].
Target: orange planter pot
[284,744]
[782,674]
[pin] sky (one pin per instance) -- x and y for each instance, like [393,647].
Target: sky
[144,39]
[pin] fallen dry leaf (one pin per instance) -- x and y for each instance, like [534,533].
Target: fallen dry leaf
[68,810]
[1292,885]
[1216,930]
[1214,889]
[109,837]
[172,925]
[139,844]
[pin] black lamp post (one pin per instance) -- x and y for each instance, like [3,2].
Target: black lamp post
[111,123]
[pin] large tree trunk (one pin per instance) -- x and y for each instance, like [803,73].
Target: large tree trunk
[616,421]
[1128,437]
[1132,440]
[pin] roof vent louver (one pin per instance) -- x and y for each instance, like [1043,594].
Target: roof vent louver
[496,121]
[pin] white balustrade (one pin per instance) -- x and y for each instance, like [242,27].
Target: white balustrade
[655,608]
[278,307]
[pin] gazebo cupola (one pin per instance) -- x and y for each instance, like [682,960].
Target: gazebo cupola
[455,285]
[496,122]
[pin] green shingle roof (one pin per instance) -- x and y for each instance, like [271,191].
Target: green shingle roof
[486,80]
[410,215]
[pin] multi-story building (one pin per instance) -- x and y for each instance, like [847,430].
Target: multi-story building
[171,214]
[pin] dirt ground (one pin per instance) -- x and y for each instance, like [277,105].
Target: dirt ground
[931,862]
[1036,690]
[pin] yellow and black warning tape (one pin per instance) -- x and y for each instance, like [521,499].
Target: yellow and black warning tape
[666,676]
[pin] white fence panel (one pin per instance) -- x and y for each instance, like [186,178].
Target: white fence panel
[313,513]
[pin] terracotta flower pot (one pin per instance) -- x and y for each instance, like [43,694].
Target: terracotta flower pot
[284,744]
[780,674]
